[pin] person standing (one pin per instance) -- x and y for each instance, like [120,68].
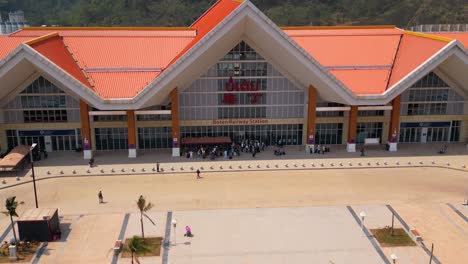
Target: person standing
[101,198]
[198,174]
[157,166]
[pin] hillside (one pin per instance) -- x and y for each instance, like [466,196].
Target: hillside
[284,12]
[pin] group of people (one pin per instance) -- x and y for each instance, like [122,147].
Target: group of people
[319,149]
[226,151]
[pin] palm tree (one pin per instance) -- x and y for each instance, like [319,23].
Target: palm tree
[136,245]
[11,205]
[144,207]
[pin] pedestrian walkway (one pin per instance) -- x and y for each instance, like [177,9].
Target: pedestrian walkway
[117,163]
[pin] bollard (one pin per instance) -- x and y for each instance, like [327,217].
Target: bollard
[313,165]
[112,170]
[143,169]
[377,163]
[4,182]
[463,166]
[360,164]
[17,178]
[268,166]
[133,169]
[122,170]
[321,164]
[61,172]
[276,165]
[448,164]
[295,165]
[181,168]
[341,164]
[385,163]
[88,171]
[48,173]
[161,169]
[409,162]
[331,164]
[368,163]
[230,167]
[420,162]
[248,166]
[240,167]
[211,167]
[433,162]
[153,169]
[286,165]
[191,168]
[102,170]
[258,166]
[172,168]
[350,164]
[397,163]
[201,168]
[220,167]
[303,165]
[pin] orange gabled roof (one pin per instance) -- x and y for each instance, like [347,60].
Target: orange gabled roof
[460,36]
[54,49]
[118,85]
[105,32]
[360,57]
[414,50]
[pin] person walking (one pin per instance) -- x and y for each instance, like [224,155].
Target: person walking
[101,198]
[157,166]
[198,174]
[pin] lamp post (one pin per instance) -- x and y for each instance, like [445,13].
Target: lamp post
[394,257]
[32,168]
[363,216]
[174,224]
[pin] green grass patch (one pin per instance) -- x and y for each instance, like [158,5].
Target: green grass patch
[399,238]
[25,252]
[151,246]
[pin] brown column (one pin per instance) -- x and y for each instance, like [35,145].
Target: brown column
[311,113]
[352,126]
[85,127]
[131,129]
[395,120]
[175,118]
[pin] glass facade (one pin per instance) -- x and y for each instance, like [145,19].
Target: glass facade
[42,102]
[111,138]
[154,137]
[431,96]
[368,130]
[242,85]
[270,134]
[328,133]
[426,132]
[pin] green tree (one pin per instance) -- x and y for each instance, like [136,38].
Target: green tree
[136,245]
[144,207]
[10,205]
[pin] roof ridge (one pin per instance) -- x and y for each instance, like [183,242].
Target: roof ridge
[429,36]
[339,27]
[111,28]
[41,38]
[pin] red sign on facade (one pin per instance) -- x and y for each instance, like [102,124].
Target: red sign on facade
[244,86]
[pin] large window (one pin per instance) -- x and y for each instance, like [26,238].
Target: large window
[12,139]
[368,130]
[431,96]
[154,137]
[287,134]
[41,102]
[328,133]
[111,138]
[242,85]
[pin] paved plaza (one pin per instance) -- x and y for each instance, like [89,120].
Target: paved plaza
[286,214]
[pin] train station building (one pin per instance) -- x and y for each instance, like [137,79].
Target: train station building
[232,73]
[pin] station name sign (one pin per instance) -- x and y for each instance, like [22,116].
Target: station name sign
[240,121]
[244,86]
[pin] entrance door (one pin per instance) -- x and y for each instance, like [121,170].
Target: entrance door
[424,135]
[48,143]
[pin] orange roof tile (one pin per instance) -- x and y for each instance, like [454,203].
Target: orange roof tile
[113,85]
[460,36]
[332,50]
[363,81]
[125,52]
[107,32]
[413,51]
[54,49]
[209,20]
[8,44]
